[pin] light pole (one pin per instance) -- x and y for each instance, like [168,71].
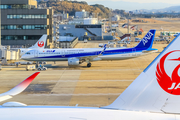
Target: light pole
[110,20]
[128,23]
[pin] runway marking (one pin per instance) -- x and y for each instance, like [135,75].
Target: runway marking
[80,70]
[87,81]
[89,94]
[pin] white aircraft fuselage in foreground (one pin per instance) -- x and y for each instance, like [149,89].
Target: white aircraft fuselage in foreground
[76,113]
[40,44]
[78,56]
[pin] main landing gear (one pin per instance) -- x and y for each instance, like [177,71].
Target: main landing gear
[89,65]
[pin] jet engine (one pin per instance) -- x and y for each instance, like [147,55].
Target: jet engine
[73,62]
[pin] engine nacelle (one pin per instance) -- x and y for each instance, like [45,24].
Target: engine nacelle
[73,62]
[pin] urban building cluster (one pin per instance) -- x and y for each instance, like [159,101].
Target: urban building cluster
[22,28]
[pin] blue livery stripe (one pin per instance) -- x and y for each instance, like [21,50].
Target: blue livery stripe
[107,52]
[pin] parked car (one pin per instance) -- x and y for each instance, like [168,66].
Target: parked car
[42,62]
[123,42]
[158,39]
[111,42]
[175,35]
[85,40]
[101,45]
[24,63]
[137,39]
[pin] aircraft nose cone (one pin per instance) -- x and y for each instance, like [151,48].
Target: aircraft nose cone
[23,57]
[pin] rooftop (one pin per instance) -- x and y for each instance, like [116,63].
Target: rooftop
[19,2]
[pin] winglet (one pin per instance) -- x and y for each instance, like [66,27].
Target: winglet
[19,88]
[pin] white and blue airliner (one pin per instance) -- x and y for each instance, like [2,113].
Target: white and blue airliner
[76,56]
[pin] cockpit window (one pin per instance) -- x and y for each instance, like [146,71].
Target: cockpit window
[28,53]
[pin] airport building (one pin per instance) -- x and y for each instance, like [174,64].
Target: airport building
[61,17]
[22,23]
[116,18]
[82,31]
[82,14]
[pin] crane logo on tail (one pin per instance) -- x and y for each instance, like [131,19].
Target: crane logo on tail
[170,84]
[147,38]
[41,43]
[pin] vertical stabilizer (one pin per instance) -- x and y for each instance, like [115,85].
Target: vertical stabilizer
[157,88]
[147,41]
[40,44]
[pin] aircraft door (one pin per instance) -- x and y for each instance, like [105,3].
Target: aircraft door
[96,53]
[35,53]
[133,52]
[63,53]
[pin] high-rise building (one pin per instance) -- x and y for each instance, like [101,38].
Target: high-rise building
[22,24]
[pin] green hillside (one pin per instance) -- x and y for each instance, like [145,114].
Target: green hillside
[73,6]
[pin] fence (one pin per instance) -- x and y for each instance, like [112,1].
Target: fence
[90,38]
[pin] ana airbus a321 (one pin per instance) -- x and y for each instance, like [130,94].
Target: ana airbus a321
[78,56]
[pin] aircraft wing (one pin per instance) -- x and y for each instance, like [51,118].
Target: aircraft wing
[90,58]
[18,89]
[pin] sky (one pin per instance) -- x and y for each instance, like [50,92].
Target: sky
[145,1]
[135,4]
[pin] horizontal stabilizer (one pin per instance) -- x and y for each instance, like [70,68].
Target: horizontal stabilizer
[150,50]
[6,97]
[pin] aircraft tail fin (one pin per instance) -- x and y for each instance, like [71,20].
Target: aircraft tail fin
[147,41]
[40,44]
[157,88]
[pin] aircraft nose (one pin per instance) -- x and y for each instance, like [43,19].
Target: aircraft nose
[23,57]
